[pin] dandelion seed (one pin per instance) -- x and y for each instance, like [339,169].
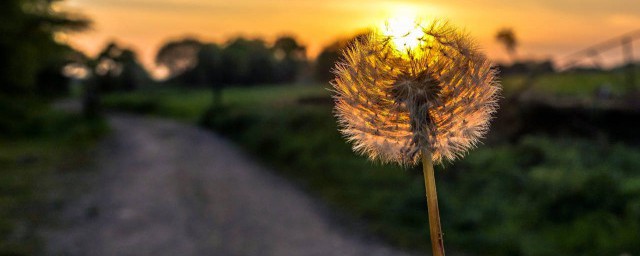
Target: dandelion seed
[434,91]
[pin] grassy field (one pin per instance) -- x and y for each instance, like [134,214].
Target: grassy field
[579,85]
[191,105]
[163,101]
[537,196]
[33,149]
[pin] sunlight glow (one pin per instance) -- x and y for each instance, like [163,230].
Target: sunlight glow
[404,29]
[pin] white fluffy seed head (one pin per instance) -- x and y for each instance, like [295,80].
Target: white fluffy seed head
[393,103]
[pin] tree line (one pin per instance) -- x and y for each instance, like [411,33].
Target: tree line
[31,59]
[37,65]
[35,62]
[240,61]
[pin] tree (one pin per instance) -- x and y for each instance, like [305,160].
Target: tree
[330,55]
[133,74]
[114,69]
[247,62]
[507,38]
[290,56]
[240,61]
[209,70]
[117,69]
[178,56]
[28,51]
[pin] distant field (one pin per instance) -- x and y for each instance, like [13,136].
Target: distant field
[538,196]
[573,84]
[190,104]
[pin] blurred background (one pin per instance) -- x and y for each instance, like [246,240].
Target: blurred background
[559,172]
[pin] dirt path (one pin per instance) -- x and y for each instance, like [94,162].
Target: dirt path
[164,188]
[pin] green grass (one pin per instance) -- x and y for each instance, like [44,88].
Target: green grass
[191,105]
[572,84]
[29,158]
[537,196]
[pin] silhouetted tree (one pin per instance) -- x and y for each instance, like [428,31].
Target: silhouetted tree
[178,56]
[240,61]
[28,52]
[114,69]
[50,81]
[117,68]
[507,37]
[290,57]
[209,64]
[133,74]
[247,62]
[209,70]
[328,57]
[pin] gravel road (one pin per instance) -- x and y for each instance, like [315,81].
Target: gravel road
[160,187]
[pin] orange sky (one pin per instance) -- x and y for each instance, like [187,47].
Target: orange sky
[545,28]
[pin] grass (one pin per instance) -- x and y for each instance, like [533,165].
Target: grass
[537,196]
[579,85]
[190,105]
[30,156]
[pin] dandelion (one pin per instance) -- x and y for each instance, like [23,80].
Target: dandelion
[423,93]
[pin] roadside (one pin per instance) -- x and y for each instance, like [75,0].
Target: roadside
[165,188]
[37,144]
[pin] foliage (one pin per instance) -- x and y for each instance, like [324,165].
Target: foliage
[579,85]
[178,56]
[29,53]
[330,55]
[209,70]
[117,69]
[544,196]
[539,196]
[501,200]
[162,102]
[190,105]
[43,141]
[240,61]
[248,62]
[290,58]
[20,116]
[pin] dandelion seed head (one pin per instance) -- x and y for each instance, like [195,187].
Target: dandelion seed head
[393,101]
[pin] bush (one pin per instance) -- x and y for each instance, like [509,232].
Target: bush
[40,140]
[539,196]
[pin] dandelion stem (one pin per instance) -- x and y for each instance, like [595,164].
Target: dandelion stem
[437,243]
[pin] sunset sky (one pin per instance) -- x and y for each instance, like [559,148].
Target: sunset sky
[545,28]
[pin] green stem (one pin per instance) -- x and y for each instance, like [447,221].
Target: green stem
[437,243]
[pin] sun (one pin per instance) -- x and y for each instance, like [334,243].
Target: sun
[404,30]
